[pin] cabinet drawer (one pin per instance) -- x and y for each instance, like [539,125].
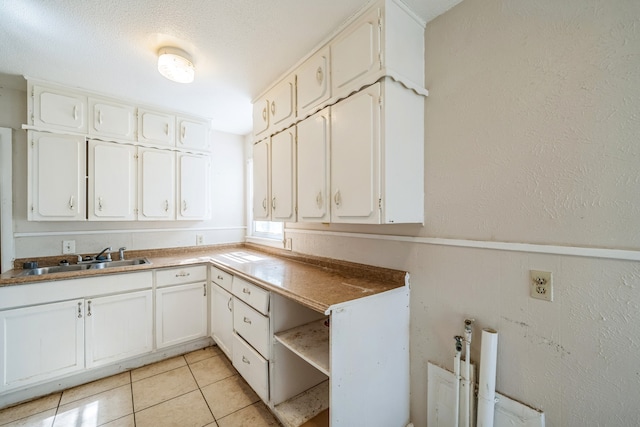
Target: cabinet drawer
[221,278]
[175,276]
[252,326]
[253,295]
[253,368]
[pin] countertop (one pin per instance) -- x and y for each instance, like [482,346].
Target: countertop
[315,282]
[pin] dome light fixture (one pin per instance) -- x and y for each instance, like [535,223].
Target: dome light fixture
[175,64]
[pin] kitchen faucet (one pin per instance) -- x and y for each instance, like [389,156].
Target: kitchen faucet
[107,258]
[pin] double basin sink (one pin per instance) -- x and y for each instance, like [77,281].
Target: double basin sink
[97,265]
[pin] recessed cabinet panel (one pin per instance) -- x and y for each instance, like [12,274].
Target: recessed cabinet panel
[313,168]
[59,109]
[283,175]
[156,127]
[261,199]
[193,134]
[260,117]
[112,181]
[222,319]
[193,187]
[282,105]
[57,180]
[313,82]
[355,141]
[355,54]
[181,313]
[156,183]
[111,119]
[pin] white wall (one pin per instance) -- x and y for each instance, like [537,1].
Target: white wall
[531,138]
[45,238]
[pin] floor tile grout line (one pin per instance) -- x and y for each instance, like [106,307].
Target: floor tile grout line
[133,407]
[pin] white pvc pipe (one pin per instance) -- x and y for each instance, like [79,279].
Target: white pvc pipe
[487,383]
[456,385]
[466,419]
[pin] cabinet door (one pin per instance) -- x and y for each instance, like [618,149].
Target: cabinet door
[193,187]
[193,134]
[313,82]
[56,184]
[156,184]
[118,327]
[112,119]
[355,54]
[313,168]
[261,187]
[283,175]
[222,319]
[282,105]
[59,109]
[355,140]
[181,313]
[156,127]
[260,117]
[112,181]
[41,342]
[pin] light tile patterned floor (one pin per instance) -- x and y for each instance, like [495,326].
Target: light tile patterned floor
[193,390]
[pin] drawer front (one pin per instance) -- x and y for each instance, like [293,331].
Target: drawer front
[221,278]
[252,326]
[253,368]
[253,295]
[176,276]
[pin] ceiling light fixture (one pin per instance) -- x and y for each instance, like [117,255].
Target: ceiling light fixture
[175,64]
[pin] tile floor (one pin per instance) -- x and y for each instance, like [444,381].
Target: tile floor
[196,389]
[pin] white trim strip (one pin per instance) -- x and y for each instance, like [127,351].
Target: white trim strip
[620,254]
[120,231]
[7,247]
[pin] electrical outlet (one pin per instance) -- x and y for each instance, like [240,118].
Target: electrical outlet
[199,239]
[68,246]
[541,285]
[287,243]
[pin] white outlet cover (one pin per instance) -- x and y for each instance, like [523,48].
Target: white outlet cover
[541,285]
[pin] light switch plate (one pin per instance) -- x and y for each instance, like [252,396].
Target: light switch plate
[68,247]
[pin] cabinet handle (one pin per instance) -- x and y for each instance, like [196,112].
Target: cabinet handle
[184,131]
[246,291]
[273,204]
[166,129]
[264,204]
[75,112]
[220,277]
[166,206]
[99,203]
[264,114]
[183,274]
[184,206]
[71,203]
[89,308]
[247,320]
[337,198]
[273,108]
[99,116]
[319,75]
[79,310]
[229,304]
[205,289]
[319,200]
[245,360]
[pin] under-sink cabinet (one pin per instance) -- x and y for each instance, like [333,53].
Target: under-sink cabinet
[181,305]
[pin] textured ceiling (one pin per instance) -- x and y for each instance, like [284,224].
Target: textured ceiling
[110,46]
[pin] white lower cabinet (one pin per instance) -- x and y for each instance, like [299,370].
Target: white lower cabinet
[41,342]
[222,319]
[118,327]
[181,308]
[252,366]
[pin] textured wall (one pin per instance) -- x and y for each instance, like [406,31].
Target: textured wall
[532,135]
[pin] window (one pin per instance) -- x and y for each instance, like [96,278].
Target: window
[268,229]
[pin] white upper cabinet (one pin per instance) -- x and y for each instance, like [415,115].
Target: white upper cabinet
[283,175]
[192,133]
[313,168]
[261,181]
[156,184]
[193,187]
[156,127]
[112,181]
[56,177]
[313,82]
[58,109]
[112,119]
[276,110]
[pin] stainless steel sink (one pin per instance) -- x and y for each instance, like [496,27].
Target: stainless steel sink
[80,267]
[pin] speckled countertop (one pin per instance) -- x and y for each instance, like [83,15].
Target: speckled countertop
[317,283]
